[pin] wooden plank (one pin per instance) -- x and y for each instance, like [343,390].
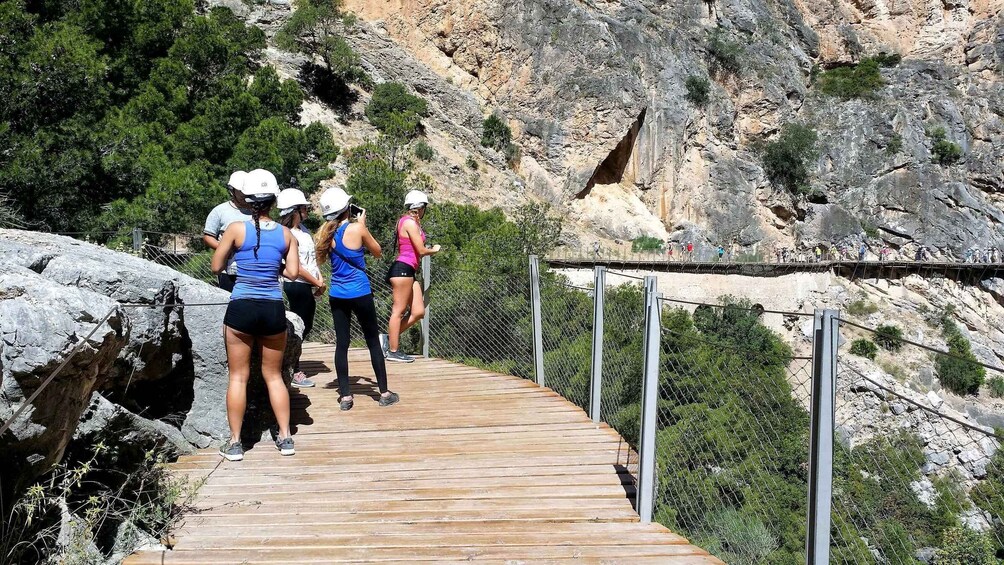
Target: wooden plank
[472,465]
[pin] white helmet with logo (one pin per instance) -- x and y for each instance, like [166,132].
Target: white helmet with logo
[259,186]
[415,199]
[289,199]
[334,201]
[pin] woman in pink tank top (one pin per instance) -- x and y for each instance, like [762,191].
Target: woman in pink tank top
[409,304]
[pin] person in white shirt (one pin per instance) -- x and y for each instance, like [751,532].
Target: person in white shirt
[217,222]
[301,293]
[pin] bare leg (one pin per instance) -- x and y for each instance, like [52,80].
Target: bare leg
[272,348]
[417,307]
[239,362]
[402,289]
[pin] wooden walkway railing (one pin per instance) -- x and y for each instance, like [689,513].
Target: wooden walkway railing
[470,466]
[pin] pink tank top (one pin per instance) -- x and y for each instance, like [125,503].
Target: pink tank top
[406,251]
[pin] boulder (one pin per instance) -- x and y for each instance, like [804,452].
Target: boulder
[153,374]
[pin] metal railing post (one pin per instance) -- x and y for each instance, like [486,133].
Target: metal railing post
[538,329]
[137,240]
[821,415]
[426,278]
[596,369]
[645,497]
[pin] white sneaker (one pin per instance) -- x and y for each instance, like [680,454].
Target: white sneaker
[385,344]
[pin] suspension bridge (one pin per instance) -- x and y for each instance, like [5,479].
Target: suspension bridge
[471,466]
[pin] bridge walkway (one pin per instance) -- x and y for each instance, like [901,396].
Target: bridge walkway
[470,466]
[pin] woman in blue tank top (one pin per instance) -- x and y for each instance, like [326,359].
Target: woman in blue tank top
[345,242]
[263,249]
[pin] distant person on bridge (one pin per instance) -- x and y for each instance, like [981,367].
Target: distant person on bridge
[596,248]
[721,253]
[256,312]
[344,240]
[819,254]
[219,220]
[862,251]
[301,292]
[690,250]
[408,299]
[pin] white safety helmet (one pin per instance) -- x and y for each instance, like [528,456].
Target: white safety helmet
[289,199]
[334,201]
[415,199]
[237,180]
[259,186]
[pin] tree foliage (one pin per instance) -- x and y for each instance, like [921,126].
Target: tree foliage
[396,112]
[859,80]
[698,90]
[864,348]
[786,160]
[134,113]
[944,152]
[495,133]
[311,30]
[889,336]
[959,371]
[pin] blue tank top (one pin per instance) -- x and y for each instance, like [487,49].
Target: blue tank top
[348,269]
[258,278]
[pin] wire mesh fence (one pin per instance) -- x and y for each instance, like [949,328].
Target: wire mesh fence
[479,311]
[567,326]
[621,390]
[732,440]
[914,480]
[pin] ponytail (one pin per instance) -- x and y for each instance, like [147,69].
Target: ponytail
[324,238]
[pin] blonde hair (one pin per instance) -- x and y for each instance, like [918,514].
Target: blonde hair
[324,239]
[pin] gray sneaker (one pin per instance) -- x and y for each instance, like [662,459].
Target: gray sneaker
[385,344]
[399,357]
[232,451]
[345,404]
[391,398]
[285,446]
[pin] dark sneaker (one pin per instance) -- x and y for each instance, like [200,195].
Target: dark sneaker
[300,380]
[345,404]
[232,451]
[391,398]
[398,357]
[385,344]
[285,446]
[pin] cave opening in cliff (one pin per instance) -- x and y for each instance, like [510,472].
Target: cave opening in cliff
[611,169]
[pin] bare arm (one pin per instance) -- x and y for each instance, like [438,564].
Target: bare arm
[411,230]
[225,247]
[369,242]
[292,270]
[210,241]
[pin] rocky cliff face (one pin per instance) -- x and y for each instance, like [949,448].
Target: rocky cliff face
[595,94]
[147,377]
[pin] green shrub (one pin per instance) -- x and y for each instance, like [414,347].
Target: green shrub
[472,163]
[495,133]
[513,154]
[959,373]
[888,59]
[864,348]
[786,160]
[698,90]
[851,81]
[996,385]
[861,308]
[894,145]
[738,538]
[944,152]
[645,243]
[963,546]
[423,151]
[725,56]
[395,111]
[890,337]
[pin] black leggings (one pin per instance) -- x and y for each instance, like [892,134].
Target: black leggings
[301,303]
[365,310]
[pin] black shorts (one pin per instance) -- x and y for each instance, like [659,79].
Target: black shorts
[256,317]
[399,269]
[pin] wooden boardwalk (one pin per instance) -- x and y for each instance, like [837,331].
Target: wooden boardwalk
[470,466]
